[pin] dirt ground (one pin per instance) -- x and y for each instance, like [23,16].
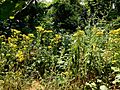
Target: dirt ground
[35,86]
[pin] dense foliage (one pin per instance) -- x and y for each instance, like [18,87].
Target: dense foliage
[61,45]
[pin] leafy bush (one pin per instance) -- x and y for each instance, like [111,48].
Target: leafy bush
[85,59]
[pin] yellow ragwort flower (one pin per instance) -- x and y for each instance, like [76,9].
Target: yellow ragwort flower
[12,39]
[79,33]
[25,37]
[14,46]
[99,33]
[48,31]
[20,56]
[49,47]
[39,29]
[11,17]
[31,35]
[114,32]
[15,31]
[57,36]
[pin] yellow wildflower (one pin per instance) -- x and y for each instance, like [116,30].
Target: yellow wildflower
[99,33]
[11,17]
[31,35]
[48,31]
[57,36]
[114,32]
[56,39]
[114,61]
[13,45]
[20,56]
[25,37]
[79,33]
[49,47]
[15,31]
[39,29]
[11,40]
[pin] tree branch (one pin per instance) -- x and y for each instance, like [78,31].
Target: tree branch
[18,13]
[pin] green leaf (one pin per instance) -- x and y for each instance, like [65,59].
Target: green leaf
[6,9]
[10,7]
